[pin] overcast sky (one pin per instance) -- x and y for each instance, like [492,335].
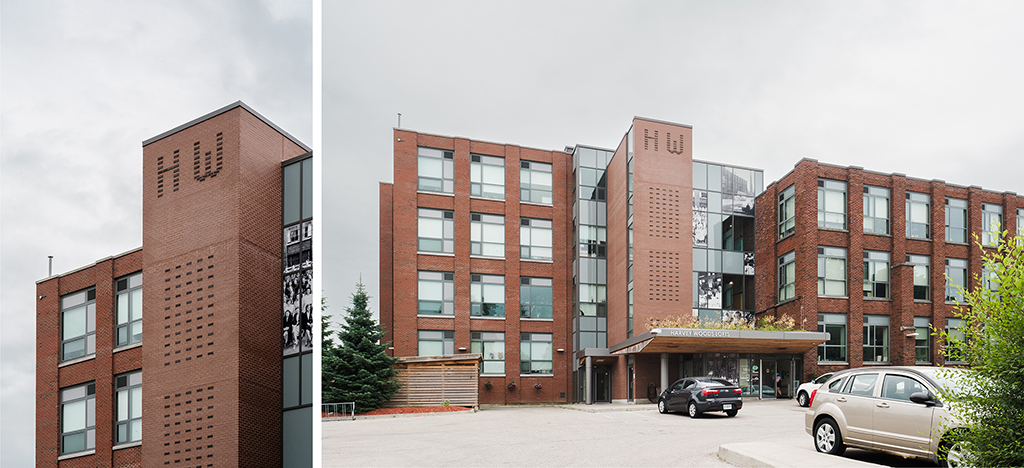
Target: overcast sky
[82,85]
[928,89]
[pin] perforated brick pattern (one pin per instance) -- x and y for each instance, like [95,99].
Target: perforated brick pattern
[188,311]
[188,428]
[664,276]
[664,212]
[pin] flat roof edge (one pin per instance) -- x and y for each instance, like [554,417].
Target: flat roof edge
[637,117]
[220,111]
[97,262]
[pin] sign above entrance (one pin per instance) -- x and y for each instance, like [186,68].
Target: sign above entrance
[703,340]
[696,333]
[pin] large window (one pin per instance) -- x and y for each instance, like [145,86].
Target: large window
[535,239]
[876,338]
[436,231]
[787,212]
[922,342]
[129,310]
[593,241]
[991,224]
[831,204]
[492,346]
[436,170]
[833,350]
[78,418]
[956,220]
[487,235]
[956,279]
[78,324]
[787,276]
[535,182]
[919,215]
[297,191]
[876,274]
[487,295]
[128,395]
[535,353]
[955,329]
[535,299]
[436,293]
[876,210]
[436,342]
[922,276]
[487,176]
[831,271]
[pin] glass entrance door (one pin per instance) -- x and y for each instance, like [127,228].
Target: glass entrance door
[769,378]
[602,384]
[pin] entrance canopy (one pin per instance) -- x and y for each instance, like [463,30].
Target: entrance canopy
[701,340]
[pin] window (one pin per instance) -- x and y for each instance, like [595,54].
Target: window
[593,241]
[918,215]
[990,281]
[955,329]
[535,353]
[876,274]
[297,387]
[876,210]
[833,350]
[862,384]
[956,279]
[535,299]
[876,338]
[922,276]
[128,398]
[787,276]
[436,342]
[487,235]
[831,271]
[991,224]
[787,212]
[831,204]
[922,342]
[1020,225]
[898,387]
[535,239]
[78,418]
[78,324]
[129,310]
[535,182]
[492,346]
[487,295]
[436,231]
[436,293]
[297,191]
[436,170]
[956,220]
[487,176]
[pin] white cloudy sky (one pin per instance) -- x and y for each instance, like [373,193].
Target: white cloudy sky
[929,89]
[82,85]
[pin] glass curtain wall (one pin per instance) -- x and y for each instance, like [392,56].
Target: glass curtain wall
[590,317]
[723,241]
[298,313]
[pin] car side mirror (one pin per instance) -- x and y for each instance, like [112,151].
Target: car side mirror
[923,398]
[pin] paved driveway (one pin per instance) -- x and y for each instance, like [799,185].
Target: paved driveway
[554,436]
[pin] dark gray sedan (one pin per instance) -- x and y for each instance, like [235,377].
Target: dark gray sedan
[697,395]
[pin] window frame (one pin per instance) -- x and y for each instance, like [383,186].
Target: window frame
[477,345]
[953,326]
[526,304]
[529,228]
[922,326]
[526,348]
[876,328]
[89,430]
[480,238]
[787,212]
[126,386]
[787,276]
[477,176]
[872,195]
[872,260]
[447,340]
[128,287]
[830,320]
[446,181]
[479,306]
[921,262]
[991,224]
[826,253]
[527,191]
[447,280]
[447,238]
[951,290]
[917,199]
[958,206]
[89,336]
[825,210]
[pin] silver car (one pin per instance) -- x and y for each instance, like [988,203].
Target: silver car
[888,409]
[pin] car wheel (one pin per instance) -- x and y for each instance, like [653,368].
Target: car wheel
[692,409]
[827,438]
[950,455]
[802,399]
[662,406]
[731,413]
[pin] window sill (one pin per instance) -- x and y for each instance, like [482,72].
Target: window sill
[475,197]
[873,234]
[832,363]
[923,363]
[483,317]
[536,375]
[531,260]
[437,254]
[923,239]
[76,455]
[787,301]
[833,297]
[878,299]
[436,193]
[127,347]
[531,319]
[821,228]
[434,316]
[956,243]
[787,236]
[547,205]
[127,445]
[77,360]
[484,257]
[876,363]
[922,301]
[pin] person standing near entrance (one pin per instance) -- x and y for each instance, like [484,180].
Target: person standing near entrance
[778,385]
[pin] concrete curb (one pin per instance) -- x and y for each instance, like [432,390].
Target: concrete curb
[765,454]
[392,416]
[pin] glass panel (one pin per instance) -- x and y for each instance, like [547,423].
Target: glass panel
[306,379]
[74,323]
[136,399]
[429,227]
[290,386]
[136,430]
[307,188]
[122,405]
[136,304]
[74,416]
[122,308]
[431,348]
[292,200]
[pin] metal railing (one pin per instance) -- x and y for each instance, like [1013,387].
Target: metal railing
[335,411]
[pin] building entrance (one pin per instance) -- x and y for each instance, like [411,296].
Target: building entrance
[602,384]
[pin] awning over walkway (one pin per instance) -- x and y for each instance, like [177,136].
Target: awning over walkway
[699,340]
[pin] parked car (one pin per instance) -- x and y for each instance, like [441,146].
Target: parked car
[698,395]
[803,392]
[888,409]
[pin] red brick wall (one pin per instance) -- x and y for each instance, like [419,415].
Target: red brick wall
[400,264]
[901,307]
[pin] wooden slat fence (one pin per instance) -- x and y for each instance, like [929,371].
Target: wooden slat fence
[431,382]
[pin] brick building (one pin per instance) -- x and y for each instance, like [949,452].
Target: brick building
[173,353]
[896,237]
[594,245]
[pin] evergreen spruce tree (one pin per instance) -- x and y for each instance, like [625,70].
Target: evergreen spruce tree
[358,370]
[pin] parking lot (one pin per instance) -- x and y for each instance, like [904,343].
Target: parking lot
[599,435]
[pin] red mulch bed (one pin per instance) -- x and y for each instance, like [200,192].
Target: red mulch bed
[411,410]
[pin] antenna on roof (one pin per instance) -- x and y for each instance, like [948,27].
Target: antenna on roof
[50,272]
[399,120]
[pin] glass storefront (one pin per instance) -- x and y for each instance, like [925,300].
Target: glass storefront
[767,375]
